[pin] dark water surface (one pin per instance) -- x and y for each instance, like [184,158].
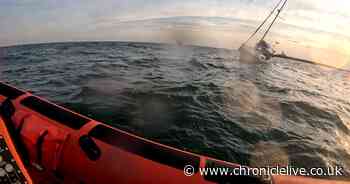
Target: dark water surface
[196,98]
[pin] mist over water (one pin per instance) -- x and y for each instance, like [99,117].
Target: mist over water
[199,99]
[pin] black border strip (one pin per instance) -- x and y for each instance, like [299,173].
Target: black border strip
[144,148]
[9,91]
[54,112]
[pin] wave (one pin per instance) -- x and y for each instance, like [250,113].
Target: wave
[198,99]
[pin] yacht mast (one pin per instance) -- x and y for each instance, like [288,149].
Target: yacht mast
[274,20]
[260,26]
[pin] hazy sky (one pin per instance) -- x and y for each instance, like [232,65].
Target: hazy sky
[320,23]
[22,20]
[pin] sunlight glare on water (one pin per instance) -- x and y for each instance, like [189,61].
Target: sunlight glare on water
[199,99]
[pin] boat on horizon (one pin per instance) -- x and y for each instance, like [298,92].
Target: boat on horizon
[262,50]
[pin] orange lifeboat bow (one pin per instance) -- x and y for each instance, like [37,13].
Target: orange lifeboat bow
[57,145]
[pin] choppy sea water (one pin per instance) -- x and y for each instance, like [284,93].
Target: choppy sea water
[196,98]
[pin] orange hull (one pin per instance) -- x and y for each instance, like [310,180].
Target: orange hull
[62,146]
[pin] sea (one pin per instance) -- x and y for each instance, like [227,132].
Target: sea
[199,99]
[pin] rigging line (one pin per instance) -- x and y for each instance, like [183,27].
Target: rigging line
[256,31]
[274,20]
[309,62]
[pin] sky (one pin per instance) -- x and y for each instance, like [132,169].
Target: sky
[320,24]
